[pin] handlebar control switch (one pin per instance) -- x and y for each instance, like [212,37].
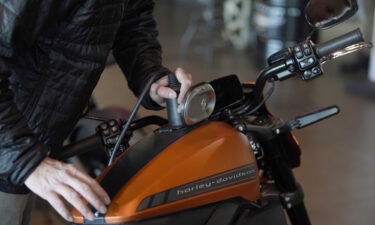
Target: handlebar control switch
[291,70]
[109,131]
[307,62]
[312,73]
[297,52]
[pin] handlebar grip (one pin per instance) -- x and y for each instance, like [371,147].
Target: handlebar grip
[85,145]
[341,42]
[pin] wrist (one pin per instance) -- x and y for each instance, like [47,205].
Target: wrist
[37,159]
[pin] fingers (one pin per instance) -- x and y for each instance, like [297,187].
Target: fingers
[93,184]
[163,81]
[159,91]
[186,81]
[154,96]
[52,179]
[75,200]
[88,192]
[58,205]
[165,92]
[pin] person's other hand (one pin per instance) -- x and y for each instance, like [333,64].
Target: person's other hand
[159,90]
[53,179]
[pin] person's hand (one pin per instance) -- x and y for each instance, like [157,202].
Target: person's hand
[53,179]
[159,90]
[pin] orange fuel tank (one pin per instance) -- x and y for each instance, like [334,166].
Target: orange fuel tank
[207,164]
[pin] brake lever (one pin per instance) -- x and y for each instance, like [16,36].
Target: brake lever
[307,120]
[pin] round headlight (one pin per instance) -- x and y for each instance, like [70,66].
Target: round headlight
[198,104]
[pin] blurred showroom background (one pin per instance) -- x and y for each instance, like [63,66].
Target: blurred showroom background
[213,38]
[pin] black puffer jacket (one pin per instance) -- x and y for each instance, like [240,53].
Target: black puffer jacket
[52,53]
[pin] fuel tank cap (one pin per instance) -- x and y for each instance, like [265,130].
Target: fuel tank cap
[198,104]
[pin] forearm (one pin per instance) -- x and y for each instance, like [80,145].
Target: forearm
[20,150]
[137,49]
[24,20]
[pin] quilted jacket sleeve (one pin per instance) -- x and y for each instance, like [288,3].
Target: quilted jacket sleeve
[21,21]
[137,49]
[20,150]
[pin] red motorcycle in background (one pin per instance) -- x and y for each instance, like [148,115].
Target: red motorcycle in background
[225,159]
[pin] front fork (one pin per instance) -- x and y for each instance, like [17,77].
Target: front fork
[291,193]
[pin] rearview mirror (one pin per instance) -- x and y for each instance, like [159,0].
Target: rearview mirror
[322,14]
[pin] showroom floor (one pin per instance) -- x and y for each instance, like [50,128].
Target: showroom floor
[338,161]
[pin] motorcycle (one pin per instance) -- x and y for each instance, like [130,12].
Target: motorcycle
[224,159]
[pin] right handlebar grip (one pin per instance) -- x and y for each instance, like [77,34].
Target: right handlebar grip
[341,42]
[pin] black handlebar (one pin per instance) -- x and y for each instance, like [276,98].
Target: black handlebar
[91,143]
[279,66]
[94,142]
[338,43]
